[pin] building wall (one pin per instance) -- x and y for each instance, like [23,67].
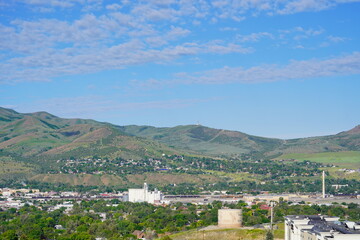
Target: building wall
[143,195]
[230,218]
[308,236]
[137,195]
[346,237]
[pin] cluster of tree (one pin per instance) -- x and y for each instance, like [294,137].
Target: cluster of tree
[345,211]
[87,219]
[117,166]
[275,186]
[288,185]
[269,169]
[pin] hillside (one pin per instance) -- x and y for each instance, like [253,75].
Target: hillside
[206,140]
[42,135]
[226,143]
[41,147]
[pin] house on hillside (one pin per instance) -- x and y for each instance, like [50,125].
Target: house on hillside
[139,234]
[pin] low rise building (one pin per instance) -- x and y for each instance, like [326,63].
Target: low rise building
[315,227]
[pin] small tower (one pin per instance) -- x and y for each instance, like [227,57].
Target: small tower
[323,184]
[145,187]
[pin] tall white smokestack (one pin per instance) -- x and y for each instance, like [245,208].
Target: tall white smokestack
[323,184]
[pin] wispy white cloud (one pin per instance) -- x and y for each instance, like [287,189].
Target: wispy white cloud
[337,39]
[158,9]
[53,3]
[230,9]
[92,106]
[331,40]
[314,68]
[114,7]
[147,31]
[297,37]
[254,37]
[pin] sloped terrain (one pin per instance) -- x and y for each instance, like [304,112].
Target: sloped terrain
[205,140]
[42,135]
[226,143]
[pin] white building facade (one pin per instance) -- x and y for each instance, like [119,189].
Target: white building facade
[144,195]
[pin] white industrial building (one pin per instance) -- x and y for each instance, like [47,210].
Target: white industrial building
[144,195]
[314,227]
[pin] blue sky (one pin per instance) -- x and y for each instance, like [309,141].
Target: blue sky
[282,69]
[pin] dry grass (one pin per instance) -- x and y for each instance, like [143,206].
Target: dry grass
[80,179]
[228,234]
[112,180]
[167,178]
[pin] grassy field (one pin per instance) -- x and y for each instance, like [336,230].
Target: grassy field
[228,234]
[12,170]
[8,166]
[236,177]
[347,159]
[80,179]
[334,172]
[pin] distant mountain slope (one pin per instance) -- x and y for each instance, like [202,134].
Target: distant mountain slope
[223,142]
[343,141]
[42,134]
[206,140]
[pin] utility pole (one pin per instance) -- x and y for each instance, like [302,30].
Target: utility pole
[271,215]
[323,184]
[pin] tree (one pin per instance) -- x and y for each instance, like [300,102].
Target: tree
[269,236]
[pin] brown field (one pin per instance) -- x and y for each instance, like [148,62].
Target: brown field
[167,178]
[112,180]
[79,179]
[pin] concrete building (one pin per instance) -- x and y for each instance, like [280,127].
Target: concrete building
[265,198]
[144,195]
[314,227]
[230,218]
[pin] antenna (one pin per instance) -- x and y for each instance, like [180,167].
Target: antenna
[323,184]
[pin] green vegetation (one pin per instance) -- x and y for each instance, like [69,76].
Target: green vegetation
[204,140]
[42,135]
[224,143]
[229,234]
[158,179]
[41,147]
[340,173]
[119,220]
[349,159]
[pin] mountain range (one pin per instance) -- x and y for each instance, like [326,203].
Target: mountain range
[44,135]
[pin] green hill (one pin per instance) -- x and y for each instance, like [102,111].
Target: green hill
[41,143]
[208,141]
[217,142]
[42,135]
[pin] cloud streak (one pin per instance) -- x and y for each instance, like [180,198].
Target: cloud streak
[92,106]
[338,66]
[129,33]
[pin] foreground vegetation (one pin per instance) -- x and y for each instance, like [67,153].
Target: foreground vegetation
[119,220]
[228,234]
[350,159]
